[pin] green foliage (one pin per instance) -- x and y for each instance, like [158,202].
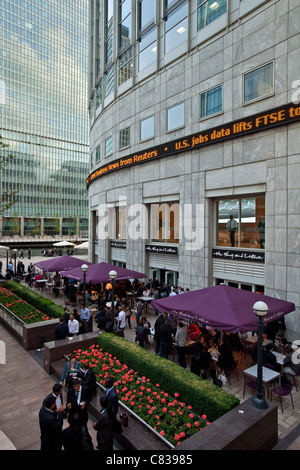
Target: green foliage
[26,312]
[205,397]
[36,300]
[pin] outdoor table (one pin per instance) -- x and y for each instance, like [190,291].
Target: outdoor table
[253,340]
[147,300]
[41,283]
[268,375]
[131,296]
[281,359]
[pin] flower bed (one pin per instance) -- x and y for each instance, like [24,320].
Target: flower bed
[20,308]
[169,415]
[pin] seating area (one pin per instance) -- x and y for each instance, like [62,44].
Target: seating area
[236,382]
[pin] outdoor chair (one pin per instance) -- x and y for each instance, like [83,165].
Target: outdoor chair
[297,374]
[248,382]
[283,391]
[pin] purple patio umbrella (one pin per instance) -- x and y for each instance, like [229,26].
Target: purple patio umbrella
[98,273]
[223,307]
[62,262]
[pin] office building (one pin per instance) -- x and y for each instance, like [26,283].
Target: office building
[44,115]
[194,118]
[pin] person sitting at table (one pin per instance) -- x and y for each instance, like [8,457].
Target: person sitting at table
[193,331]
[146,292]
[269,357]
[283,347]
[225,358]
[29,279]
[38,277]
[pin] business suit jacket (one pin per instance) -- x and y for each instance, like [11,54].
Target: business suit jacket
[112,397]
[51,426]
[88,379]
[103,426]
[86,397]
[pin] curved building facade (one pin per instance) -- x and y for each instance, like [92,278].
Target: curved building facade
[194,142]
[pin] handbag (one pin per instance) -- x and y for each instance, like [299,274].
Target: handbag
[124,420]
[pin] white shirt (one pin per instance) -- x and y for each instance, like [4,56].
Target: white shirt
[73,326]
[121,319]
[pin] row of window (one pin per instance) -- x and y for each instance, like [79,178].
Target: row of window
[257,84]
[175,22]
[240,222]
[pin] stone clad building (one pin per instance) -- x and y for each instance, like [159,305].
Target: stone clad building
[194,118]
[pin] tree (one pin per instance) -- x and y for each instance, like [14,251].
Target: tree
[7,197]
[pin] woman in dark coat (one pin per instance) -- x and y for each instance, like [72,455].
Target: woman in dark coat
[225,358]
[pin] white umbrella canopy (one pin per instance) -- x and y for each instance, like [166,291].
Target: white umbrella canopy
[2,247]
[82,246]
[63,243]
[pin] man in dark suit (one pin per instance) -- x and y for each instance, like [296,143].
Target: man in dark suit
[51,422]
[61,330]
[78,399]
[88,379]
[111,394]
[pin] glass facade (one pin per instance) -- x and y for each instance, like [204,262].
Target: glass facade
[43,110]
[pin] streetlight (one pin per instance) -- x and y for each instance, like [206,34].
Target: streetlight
[112,276]
[84,269]
[15,256]
[260,309]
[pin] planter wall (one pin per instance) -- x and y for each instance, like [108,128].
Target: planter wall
[243,428]
[32,336]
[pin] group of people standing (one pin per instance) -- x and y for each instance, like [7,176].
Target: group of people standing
[73,324]
[81,389]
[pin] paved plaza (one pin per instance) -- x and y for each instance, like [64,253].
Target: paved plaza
[24,384]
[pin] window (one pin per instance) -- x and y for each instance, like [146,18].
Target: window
[147,49]
[147,128]
[165,223]
[121,222]
[108,31]
[175,117]
[241,222]
[99,94]
[146,14]
[209,11]
[258,83]
[125,66]
[109,80]
[176,27]
[98,153]
[147,34]
[211,102]
[125,137]
[108,146]
[125,49]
